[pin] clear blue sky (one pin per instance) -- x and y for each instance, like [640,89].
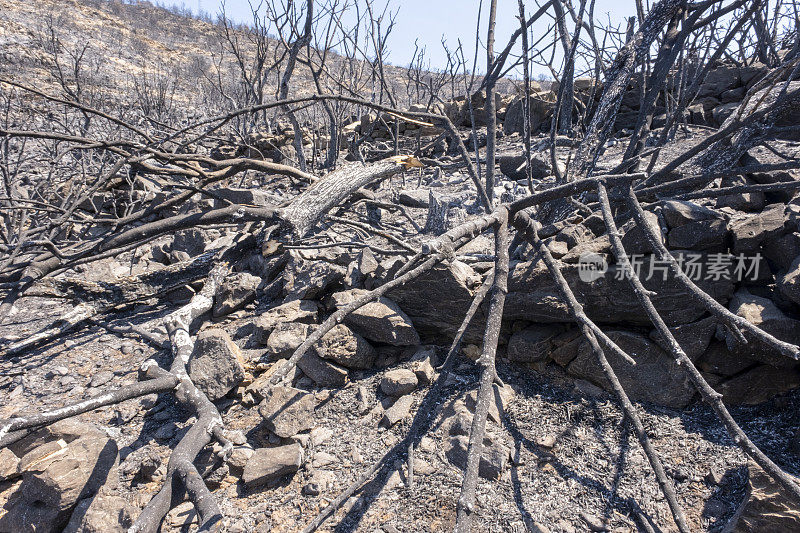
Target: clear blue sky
[429,20]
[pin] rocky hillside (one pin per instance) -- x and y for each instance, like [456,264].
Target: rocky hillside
[136,49]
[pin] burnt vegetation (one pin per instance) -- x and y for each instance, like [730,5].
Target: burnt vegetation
[426,229]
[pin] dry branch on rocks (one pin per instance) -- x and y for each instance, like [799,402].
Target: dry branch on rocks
[555,253]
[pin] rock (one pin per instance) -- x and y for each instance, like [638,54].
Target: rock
[190,241]
[400,410]
[286,338]
[235,292]
[751,201]
[748,234]
[693,338]
[733,95]
[574,235]
[68,430]
[609,299]
[244,196]
[399,382]
[413,198]
[721,112]
[708,235]
[493,459]
[367,264]
[512,165]
[320,435]
[763,313]
[540,105]
[104,513]
[761,155]
[269,464]
[323,459]
[782,251]
[594,523]
[380,321]
[215,365]
[324,373]
[718,360]
[789,284]
[714,477]
[287,411]
[548,442]
[54,480]
[532,344]
[303,311]
[437,301]
[362,269]
[633,237]
[306,280]
[697,115]
[101,378]
[599,246]
[388,268]
[502,396]
[8,464]
[758,385]
[767,507]
[239,457]
[346,348]
[787,114]
[655,378]
[558,249]
[182,517]
[320,481]
[423,370]
[142,465]
[471,351]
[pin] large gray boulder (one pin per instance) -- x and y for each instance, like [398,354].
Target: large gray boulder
[235,292]
[267,465]
[608,299]
[679,212]
[655,378]
[789,284]
[55,476]
[533,344]
[763,312]
[346,348]
[216,364]
[750,233]
[323,372]
[541,107]
[380,321]
[103,513]
[437,301]
[303,311]
[693,338]
[288,411]
[758,385]
[706,235]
